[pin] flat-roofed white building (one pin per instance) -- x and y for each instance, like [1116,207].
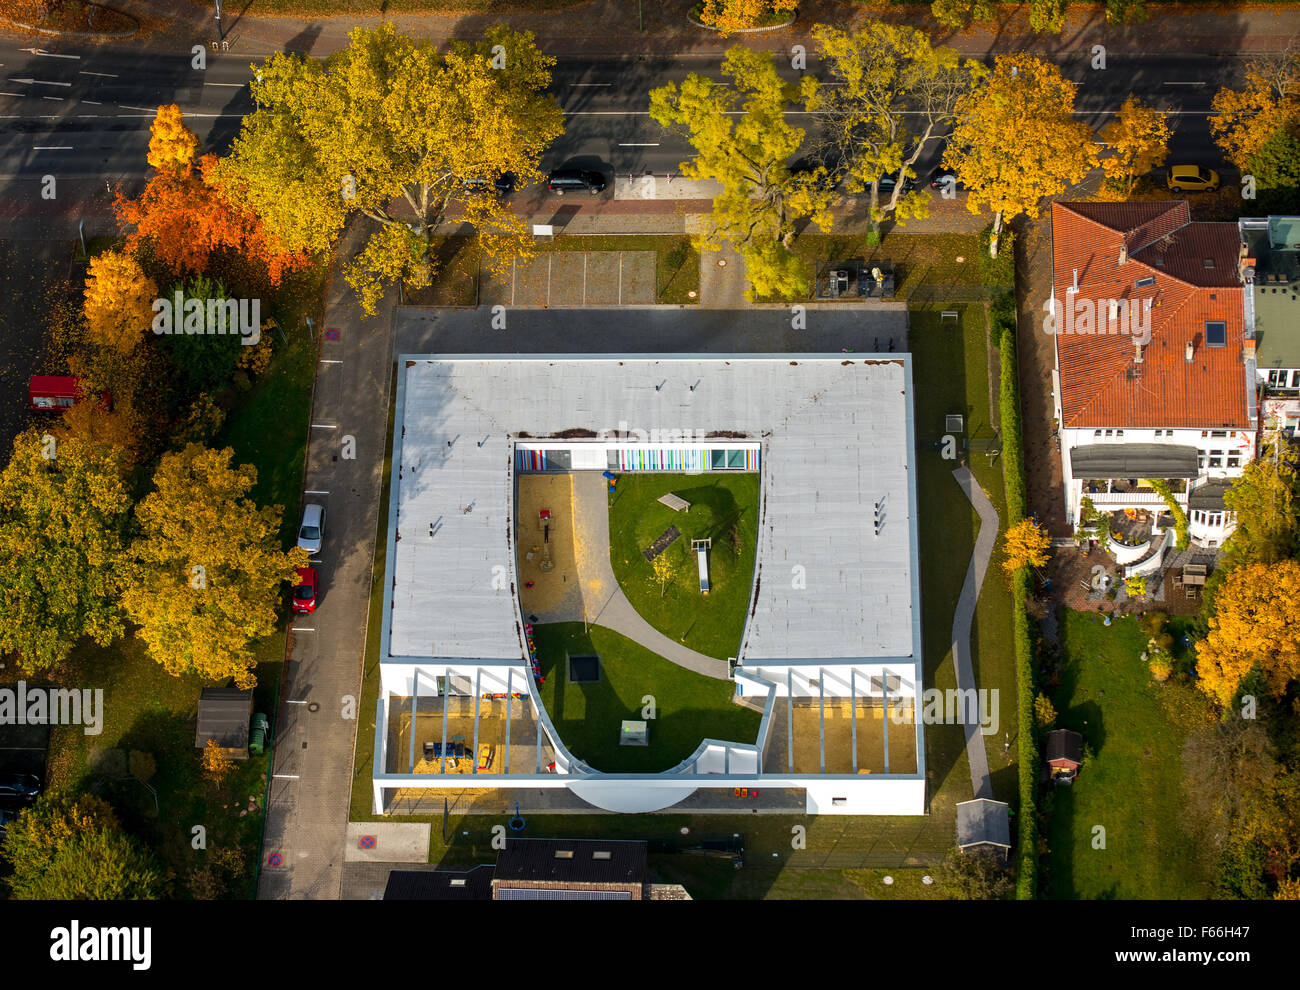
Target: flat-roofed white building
[831,651]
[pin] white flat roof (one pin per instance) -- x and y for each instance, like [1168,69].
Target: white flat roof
[836,439]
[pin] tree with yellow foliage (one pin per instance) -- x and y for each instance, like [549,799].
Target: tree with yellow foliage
[1026,544]
[172,146]
[743,141]
[64,506]
[1016,140]
[216,764]
[1244,120]
[1256,625]
[667,566]
[1138,141]
[118,301]
[737,15]
[207,566]
[392,120]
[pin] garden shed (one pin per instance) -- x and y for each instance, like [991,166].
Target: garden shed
[1064,755]
[224,715]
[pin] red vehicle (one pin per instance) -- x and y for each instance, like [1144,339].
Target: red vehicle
[55,393]
[304,591]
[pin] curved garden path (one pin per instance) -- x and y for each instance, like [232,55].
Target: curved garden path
[962,617]
[598,599]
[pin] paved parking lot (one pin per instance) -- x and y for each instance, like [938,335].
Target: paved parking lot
[662,330]
[575,278]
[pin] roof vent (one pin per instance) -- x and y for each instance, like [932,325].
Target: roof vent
[1123,253]
[1137,351]
[1191,351]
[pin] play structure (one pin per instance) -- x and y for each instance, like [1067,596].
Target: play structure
[701,548]
[532,655]
[610,477]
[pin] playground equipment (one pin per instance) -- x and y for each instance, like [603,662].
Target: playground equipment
[544,522]
[611,478]
[701,548]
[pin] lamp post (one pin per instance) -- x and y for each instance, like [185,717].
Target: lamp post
[220,36]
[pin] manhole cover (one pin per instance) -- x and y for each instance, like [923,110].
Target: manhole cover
[314,706]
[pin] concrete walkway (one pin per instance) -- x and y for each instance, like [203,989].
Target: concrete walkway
[962,619]
[722,286]
[600,600]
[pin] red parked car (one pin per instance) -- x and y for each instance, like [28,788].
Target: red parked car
[55,393]
[304,591]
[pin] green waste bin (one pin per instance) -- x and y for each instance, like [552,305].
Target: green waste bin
[257,736]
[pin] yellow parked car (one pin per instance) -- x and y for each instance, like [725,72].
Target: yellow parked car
[1192,178]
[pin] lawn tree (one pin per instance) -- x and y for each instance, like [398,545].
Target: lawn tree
[1026,544]
[736,15]
[1044,712]
[667,567]
[64,507]
[1027,98]
[1231,773]
[1265,500]
[747,154]
[216,764]
[1244,120]
[118,301]
[974,876]
[1256,626]
[69,847]
[1138,142]
[208,567]
[390,120]
[889,94]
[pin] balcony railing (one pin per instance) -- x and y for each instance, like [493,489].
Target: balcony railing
[1134,500]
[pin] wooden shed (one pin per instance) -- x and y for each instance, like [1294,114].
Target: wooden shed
[224,715]
[1064,755]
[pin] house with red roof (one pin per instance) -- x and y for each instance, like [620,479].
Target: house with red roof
[1155,369]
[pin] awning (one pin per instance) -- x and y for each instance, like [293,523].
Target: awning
[1133,460]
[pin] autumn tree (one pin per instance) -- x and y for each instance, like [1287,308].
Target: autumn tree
[729,16]
[64,506]
[70,847]
[389,120]
[1265,500]
[1026,544]
[118,301]
[1244,120]
[667,567]
[1256,625]
[172,145]
[188,211]
[216,764]
[889,94]
[1044,712]
[1016,140]
[1231,772]
[974,876]
[743,142]
[207,566]
[1138,142]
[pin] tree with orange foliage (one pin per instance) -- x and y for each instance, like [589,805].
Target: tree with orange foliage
[1256,625]
[187,213]
[736,15]
[1026,545]
[119,301]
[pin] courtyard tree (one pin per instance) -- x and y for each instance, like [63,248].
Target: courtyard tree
[64,507]
[1137,141]
[1244,120]
[729,16]
[207,566]
[1016,140]
[667,567]
[391,120]
[890,93]
[1256,626]
[70,847]
[743,141]
[1026,544]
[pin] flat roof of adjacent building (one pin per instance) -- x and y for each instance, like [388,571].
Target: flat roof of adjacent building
[836,437]
[562,861]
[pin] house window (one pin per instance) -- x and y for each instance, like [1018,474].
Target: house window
[1216,333]
[1295,379]
[601,854]
[1218,434]
[1200,460]
[1142,283]
[1208,262]
[1119,433]
[1216,458]
[1096,433]
[1234,459]
[1277,379]
[564,854]
[839,802]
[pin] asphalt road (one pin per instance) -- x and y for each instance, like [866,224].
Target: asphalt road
[84,113]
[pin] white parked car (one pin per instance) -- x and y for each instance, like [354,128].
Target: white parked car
[312,531]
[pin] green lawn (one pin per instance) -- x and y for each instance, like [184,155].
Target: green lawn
[689,706]
[951,376]
[724,508]
[1132,786]
[147,710]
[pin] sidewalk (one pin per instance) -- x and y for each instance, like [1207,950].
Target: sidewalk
[609,28]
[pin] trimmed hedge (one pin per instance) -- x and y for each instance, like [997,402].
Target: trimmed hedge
[1013,471]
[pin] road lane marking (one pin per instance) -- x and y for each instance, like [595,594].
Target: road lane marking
[92,103]
[638,144]
[591,84]
[323,426]
[52,147]
[56,99]
[106,75]
[39,82]
[231,85]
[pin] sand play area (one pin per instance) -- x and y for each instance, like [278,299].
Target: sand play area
[563,560]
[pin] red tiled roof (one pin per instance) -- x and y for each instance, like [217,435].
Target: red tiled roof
[1101,384]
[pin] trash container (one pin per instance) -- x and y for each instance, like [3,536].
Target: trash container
[258,734]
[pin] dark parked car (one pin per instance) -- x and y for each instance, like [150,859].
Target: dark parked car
[887,183]
[22,786]
[502,185]
[564,180]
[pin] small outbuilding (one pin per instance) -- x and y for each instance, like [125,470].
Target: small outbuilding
[984,825]
[224,716]
[1064,755]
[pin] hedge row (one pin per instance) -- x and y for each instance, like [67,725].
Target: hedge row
[1013,470]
